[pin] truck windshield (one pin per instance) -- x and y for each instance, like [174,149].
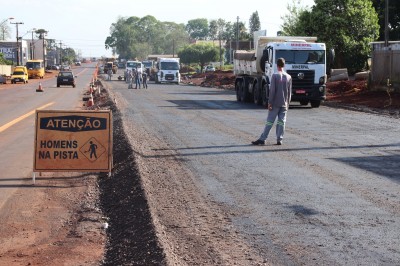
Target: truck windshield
[33,65]
[132,64]
[169,66]
[147,64]
[302,57]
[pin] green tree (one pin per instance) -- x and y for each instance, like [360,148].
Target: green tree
[4,61]
[197,28]
[135,37]
[254,23]
[200,53]
[348,26]
[68,55]
[213,30]
[394,18]
[221,24]
[295,22]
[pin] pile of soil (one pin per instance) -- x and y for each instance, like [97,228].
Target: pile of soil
[356,92]
[218,79]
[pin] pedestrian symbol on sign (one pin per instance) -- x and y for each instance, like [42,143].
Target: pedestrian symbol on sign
[92,149]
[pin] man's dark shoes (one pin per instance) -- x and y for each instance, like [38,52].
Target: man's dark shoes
[279,142]
[258,142]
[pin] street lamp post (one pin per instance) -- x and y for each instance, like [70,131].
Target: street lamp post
[1,25]
[18,55]
[44,47]
[32,45]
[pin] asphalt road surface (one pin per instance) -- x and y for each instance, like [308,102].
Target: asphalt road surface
[328,196]
[18,103]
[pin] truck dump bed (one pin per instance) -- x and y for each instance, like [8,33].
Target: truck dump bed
[244,62]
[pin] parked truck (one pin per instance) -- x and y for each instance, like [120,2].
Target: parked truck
[130,65]
[305,62]
[110,65]
[149,68]
[168,70]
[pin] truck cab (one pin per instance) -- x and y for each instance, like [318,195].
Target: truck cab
[35,68]
[305,62]
[130,65]
[168,70]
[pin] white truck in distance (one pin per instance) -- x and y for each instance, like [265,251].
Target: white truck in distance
[305,62]
[168,70]
[130,65]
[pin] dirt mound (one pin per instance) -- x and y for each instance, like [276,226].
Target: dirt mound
[218,79]
[356,92]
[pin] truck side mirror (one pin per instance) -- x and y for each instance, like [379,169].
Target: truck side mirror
[264,59]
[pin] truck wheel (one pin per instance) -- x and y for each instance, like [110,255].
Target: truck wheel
[244,94]
[264,95]
[256,94]
[238,84]
[315,104]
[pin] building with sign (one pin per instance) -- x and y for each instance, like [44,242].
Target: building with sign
[29,49]
[9,50]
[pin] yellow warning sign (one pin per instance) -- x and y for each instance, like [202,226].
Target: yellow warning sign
[73,141]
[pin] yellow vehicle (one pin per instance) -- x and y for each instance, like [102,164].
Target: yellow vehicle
[35,68]
[20,74]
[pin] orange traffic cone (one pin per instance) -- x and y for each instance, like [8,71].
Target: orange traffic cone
[40,89]
[90,101]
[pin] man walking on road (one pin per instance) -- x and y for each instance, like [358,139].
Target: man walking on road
[280,93]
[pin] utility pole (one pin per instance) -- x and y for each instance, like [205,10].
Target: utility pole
[42,34]
[18,54]
[386,23]
[33,46]
[59,58]
[237,33]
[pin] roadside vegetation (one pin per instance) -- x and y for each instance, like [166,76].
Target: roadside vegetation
[346,26]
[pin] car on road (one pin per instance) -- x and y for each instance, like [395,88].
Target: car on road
[20,74]
[77,63]
[65,78]
[3,79]
[209,68]
[65,67]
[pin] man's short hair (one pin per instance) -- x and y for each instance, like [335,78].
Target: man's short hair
[281,62]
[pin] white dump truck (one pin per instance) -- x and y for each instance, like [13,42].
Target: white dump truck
[305,62]
[168,70]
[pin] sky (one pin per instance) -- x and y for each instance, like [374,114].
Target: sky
[85,24]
